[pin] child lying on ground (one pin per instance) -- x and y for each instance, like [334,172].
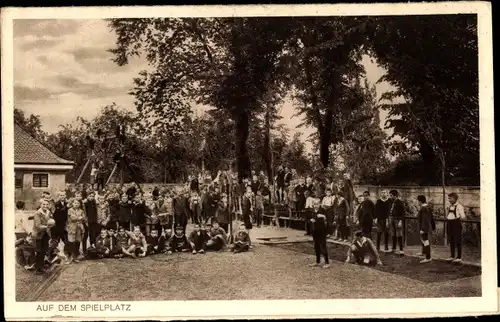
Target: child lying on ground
[241,240]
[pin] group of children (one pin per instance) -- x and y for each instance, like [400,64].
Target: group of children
[388,214]
[119,222]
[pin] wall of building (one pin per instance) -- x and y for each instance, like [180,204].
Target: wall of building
[31,195]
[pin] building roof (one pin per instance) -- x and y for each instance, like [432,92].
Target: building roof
[28,150]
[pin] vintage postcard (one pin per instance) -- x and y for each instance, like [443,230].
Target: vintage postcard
[277,161]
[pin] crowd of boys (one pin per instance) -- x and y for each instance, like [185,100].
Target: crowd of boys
[120,221]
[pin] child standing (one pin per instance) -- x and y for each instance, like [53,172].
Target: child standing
[222,213]
[93,226]
[319,233]
[327,204]
[75,228]
[125,212]
[382,220]
[195,205]
[259,208]
[309,206]
[103,214]
[396,217]
[425,223]
[41,234]
[342,213]
[454,219]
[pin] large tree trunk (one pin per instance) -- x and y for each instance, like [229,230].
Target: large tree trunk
[325,139]
[428,157]
[267,146]
[242,159]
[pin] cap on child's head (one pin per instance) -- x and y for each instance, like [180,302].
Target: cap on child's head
[358,233]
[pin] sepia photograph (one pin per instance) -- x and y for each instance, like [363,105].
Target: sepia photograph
[224,157]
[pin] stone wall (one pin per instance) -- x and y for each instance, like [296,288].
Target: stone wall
[469,197]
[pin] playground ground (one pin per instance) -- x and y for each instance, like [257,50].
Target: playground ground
[273,269]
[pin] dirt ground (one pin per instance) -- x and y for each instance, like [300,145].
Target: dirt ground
[263,273]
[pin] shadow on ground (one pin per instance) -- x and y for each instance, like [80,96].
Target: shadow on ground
[407,266]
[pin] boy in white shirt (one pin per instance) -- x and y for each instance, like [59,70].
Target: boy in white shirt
[454,217]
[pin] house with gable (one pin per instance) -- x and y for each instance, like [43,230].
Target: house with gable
[36,169]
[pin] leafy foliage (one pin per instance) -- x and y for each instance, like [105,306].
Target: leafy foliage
[433,62]
[31,124]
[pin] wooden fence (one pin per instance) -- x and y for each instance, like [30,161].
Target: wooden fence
[471,233]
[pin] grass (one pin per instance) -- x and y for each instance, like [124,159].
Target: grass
[263,273]
[435,271]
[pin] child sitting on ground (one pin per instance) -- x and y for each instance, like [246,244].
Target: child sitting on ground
[153,241]
[102,247]
[137,242]
[25,252]
[198,239]
[241,240]
[123,247]
[178,242]
[217,237]
[54,255]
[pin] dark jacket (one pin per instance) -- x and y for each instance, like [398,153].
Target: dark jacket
[246,206]
[125,212]
[91,211]
[255,185]
[222,213]
[382,209]
[342,209]
[194,185]
[425,219]
[300,194]
[139,214]
[366,212]
[61,214]
[198,238]
[396,209]
[319,226]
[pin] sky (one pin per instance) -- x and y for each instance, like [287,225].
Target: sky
[62,70]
